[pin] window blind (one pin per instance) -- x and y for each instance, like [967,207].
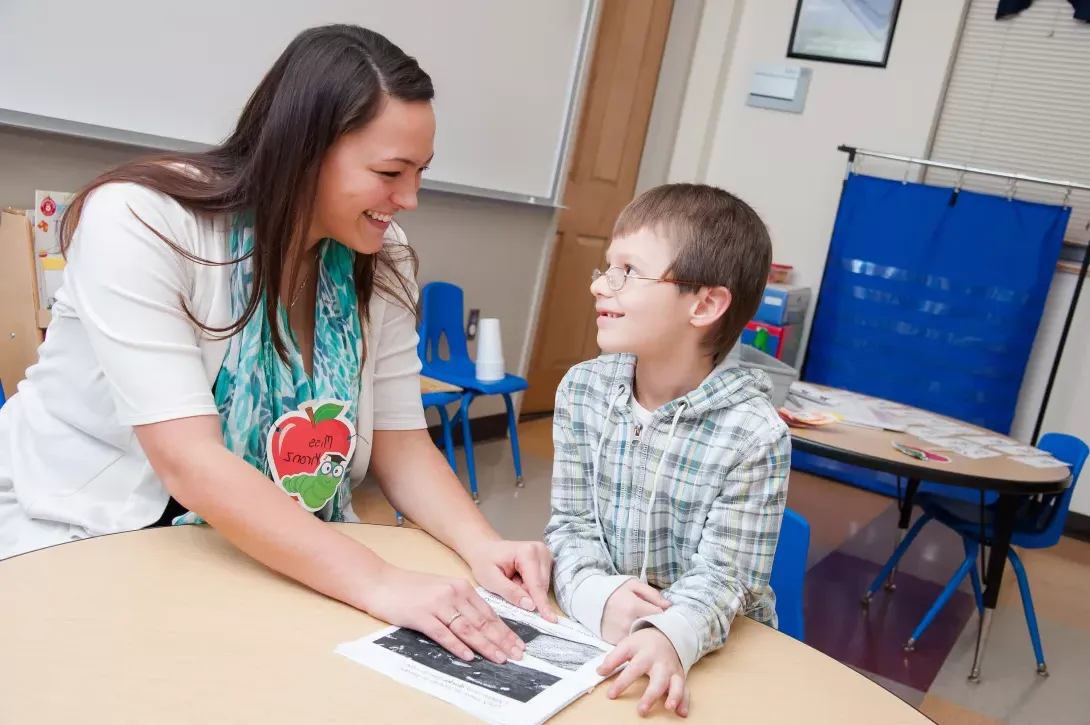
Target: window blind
[1018,100]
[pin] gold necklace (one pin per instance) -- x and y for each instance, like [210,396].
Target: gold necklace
[298,292]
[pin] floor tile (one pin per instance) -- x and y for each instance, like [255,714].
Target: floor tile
[872,639]
[934,555]
[910,695]
[835,511]
[944,712]
[1059,585]
[1010,689]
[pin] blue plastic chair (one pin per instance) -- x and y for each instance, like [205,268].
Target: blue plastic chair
[440,401]
[1039,524]
[1,394]
[442,313]
[789,573]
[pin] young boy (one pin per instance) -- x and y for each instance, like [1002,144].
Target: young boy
[670,464]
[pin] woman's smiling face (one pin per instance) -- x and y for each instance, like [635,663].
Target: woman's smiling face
[371,174]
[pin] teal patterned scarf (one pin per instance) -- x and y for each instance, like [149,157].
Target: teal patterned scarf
[296,429]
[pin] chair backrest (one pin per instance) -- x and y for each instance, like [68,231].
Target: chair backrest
[1051,515]
[441,314]
[789,573]
[1,394]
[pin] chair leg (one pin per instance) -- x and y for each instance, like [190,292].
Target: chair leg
[448,439]
[895,558]
[512,429]
[467,445]
[944,597]
[1027,606]
[974,576]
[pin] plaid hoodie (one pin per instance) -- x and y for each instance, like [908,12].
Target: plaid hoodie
[711,467]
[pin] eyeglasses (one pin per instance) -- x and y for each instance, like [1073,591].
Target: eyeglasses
[616,277]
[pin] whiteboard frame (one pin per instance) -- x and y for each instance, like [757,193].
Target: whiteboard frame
[77,129]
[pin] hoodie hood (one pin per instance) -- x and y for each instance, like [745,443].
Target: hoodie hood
[726,386]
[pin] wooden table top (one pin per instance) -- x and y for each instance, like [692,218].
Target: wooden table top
[873,448]
[431,385]
[175,625]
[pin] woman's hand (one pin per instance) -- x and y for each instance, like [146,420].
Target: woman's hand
[448,610]
[518,571]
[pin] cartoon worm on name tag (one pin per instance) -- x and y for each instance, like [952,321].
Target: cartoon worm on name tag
[309,451]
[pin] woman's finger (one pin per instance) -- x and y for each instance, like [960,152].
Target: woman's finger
[649,594]
[660,683]
[494,628]
[635,669]
[466,626]
[446,639]
[535,564]
[676,693]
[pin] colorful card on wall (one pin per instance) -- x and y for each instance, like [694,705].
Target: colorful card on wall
[309,451]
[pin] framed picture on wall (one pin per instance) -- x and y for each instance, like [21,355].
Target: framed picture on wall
[859,32]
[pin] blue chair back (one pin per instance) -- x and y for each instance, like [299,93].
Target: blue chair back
[1041,522]
[789,573]
[441,316]
[1,394]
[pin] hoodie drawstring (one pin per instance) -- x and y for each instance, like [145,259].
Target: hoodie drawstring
[654,493]
[594,482]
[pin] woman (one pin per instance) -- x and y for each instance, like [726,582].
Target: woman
[216,356]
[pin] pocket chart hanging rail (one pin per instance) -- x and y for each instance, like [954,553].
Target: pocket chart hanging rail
[1015,178]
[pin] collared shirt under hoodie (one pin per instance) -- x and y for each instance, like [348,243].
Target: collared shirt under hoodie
[706,478]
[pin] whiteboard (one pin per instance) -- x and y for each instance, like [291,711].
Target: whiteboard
[177,74]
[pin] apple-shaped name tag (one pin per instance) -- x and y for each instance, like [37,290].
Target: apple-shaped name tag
[309,451]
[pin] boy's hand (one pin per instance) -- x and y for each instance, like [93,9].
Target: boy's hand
[649,652]
[631,601]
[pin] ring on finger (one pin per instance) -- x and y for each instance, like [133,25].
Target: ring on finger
[450,620]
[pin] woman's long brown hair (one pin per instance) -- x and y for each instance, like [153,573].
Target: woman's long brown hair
[329,81]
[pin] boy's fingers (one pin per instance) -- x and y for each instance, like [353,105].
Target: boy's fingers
[676,694]
[683,709]
[617,657]
[660,682]
[635,670]
[649,594]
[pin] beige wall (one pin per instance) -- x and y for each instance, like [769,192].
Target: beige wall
[491,249]
[786,164]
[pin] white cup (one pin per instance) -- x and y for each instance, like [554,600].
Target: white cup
[490,365]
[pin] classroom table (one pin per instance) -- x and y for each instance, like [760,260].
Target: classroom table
[873,449]
[174,625]
[431,385]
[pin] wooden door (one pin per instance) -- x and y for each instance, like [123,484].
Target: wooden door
[601,181]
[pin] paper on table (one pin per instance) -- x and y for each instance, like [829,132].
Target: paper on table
[1016,449]
[1044,461]
[989,440]
[962,448]
[559,665]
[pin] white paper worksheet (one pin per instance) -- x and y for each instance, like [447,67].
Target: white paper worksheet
[560,664]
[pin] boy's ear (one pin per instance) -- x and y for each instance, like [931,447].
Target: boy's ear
[711,304]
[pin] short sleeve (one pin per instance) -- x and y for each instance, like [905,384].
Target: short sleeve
[128,287]
[396,383]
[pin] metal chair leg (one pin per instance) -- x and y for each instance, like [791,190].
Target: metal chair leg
[512,429]
[1027,607]
[944,597]
[467,445]
[899,552]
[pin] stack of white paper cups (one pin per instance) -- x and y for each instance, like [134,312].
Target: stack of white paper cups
[490,367]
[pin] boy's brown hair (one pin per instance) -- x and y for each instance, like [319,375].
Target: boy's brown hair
[720,241]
